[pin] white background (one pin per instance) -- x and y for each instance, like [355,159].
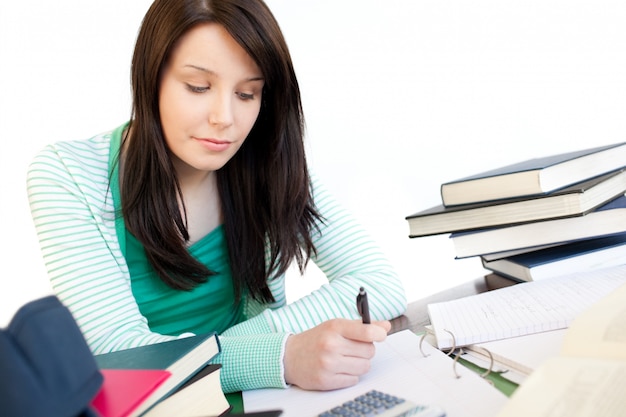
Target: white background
[399,96]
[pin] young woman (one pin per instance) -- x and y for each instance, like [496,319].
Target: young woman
[185,219]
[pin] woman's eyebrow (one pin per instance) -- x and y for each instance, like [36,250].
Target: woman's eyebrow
[211,72]
[199,68]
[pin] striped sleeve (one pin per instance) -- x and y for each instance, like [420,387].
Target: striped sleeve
[350,259]
[72,210]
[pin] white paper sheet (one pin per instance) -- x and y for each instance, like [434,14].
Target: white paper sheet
[399,368]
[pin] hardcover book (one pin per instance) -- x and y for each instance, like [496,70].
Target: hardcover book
[574,200]
[124,390]
[535,176]
[583,255]
[182,358]
[606,220]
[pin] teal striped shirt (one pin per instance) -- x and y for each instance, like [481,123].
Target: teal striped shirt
[72,208]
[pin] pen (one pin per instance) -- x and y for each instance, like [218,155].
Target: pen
[363,306]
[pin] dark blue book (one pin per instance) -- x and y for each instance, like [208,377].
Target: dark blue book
[579,256]
[608,219]
[534,176]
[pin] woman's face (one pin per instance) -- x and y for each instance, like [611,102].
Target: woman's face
[209,99]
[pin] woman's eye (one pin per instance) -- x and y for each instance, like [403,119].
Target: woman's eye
[196,89]
[246,96]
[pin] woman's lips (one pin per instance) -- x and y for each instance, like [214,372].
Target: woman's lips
[215,145]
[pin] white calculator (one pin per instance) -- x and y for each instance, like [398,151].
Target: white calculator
[378,404]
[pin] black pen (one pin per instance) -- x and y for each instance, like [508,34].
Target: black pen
[363,306]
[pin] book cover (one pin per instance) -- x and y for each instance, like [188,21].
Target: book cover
[534,176]
[183,358]
[581,255]
[508,253]
[124,389]
[606,220]
[574,200]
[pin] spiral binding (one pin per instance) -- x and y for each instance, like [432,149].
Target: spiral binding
[457,354]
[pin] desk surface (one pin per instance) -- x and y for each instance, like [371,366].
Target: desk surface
[416,316]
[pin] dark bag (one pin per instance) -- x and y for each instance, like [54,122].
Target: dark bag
[46,367]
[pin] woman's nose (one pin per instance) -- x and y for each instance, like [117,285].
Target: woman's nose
[221,109]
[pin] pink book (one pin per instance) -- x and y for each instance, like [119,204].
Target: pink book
[125,389]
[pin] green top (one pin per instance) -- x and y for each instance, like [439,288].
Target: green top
[171,311]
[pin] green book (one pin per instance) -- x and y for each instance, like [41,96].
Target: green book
[575,200]
[183,358]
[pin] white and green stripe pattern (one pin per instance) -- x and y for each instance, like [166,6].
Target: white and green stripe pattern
[72,208]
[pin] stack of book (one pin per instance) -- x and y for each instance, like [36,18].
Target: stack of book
[165,379]
[537,218]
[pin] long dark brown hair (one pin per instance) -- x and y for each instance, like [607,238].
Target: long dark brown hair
[265,189]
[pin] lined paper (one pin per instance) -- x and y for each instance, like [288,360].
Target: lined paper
[522,309]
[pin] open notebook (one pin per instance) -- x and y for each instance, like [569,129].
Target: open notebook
[399,368]
[522,309]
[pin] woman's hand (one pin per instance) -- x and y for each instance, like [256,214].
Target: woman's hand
[333,354]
